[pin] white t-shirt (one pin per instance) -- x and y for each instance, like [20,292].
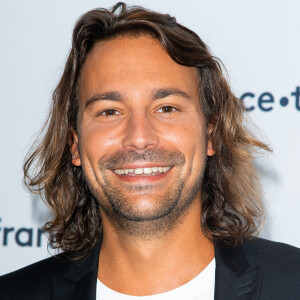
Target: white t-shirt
[200,287]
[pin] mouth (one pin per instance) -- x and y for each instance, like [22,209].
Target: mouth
[147,173]
[142,171]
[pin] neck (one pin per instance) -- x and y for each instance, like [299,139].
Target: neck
[134,266]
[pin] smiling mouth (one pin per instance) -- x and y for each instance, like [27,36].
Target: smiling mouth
[143,171]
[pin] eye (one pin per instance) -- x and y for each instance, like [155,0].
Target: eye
[167,109]
[109,112]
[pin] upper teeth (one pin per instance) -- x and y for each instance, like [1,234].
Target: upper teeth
[140,171]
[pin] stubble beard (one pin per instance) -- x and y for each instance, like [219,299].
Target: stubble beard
[154,223]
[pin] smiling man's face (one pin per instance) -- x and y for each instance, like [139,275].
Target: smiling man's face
[141,134]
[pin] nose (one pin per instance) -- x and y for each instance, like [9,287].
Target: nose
[140,133]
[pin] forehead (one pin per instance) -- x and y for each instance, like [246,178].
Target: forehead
[126,62]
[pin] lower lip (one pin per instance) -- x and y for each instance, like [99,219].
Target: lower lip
[143,178]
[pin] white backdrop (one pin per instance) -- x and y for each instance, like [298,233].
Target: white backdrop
[258,41]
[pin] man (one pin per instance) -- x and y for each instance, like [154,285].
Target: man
[147,166]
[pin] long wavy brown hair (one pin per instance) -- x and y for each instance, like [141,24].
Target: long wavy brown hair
[231,198]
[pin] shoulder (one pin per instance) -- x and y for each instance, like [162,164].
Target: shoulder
[34,279]
[280,263]
[269,252]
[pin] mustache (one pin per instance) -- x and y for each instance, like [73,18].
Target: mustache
[122,158]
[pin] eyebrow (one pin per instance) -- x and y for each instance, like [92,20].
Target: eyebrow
[112,96]
[163,93]
[156,94]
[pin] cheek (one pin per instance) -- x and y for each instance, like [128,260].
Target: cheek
[193,141]
[189,138]
[95,143]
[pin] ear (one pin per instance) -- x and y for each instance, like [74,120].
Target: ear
[210,149]
[75,150]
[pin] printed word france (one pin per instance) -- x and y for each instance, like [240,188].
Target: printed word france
[23,236]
